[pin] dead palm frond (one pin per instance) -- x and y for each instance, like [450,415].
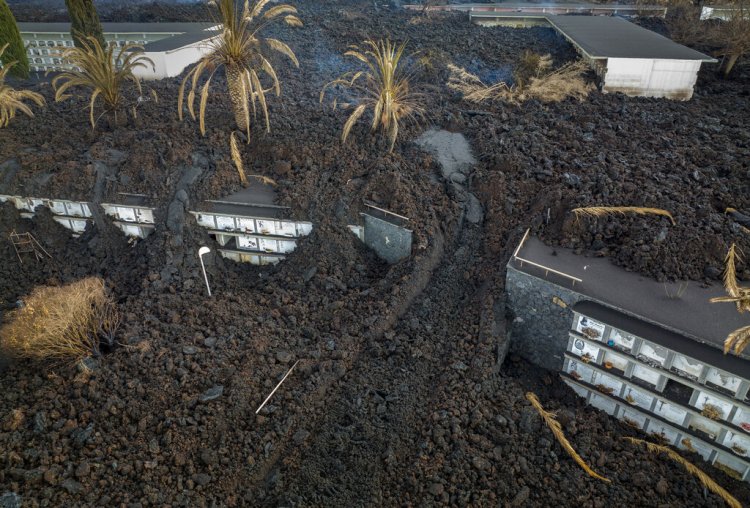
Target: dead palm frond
[241,51]
[551,421]
[738,295]
[738,217]
[600,211]
[384,87]
[99,70]
[702,477]
[11,100]
[739,339]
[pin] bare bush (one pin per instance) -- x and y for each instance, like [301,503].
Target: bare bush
[685,25]
[63,323]
[730,38]
[733,36]
[534,80]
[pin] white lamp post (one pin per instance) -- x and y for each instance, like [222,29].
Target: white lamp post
[201,252]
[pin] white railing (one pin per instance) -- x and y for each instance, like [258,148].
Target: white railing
[547,269]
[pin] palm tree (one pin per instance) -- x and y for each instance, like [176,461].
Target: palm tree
[98,69]
[241,51]
[383,87]
[11,100]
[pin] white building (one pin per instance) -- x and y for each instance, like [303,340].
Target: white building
[627,58]
[171,46]
[642,351]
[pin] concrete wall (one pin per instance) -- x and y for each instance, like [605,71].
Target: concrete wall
[168,64]
[45,52]
[390,242]
[642,77]
[541,317]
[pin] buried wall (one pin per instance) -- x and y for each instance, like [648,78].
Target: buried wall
[647,77]
[540,318]
[390,242]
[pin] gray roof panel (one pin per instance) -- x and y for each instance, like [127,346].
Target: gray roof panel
[178,41]
[119,27]
[612,37]
[690,315]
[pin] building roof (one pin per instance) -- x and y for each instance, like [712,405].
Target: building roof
[690,315]
[257,200]
[663,337]
[525,6]
[611,37]
[179,41]
[165,28]
[186,33]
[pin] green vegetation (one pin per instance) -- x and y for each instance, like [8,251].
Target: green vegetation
[84,22]
[14,48]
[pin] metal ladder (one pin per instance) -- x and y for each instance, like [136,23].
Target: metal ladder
[26,243]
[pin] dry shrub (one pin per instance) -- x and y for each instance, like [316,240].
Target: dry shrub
[534,80]
[554,426]
[63,323]
[706,480]
[11,100]
[532,65]
[684,24]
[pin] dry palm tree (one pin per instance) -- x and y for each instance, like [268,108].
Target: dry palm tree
[241,51]
[383,87]
[740,338]
[98,69]
[11,100]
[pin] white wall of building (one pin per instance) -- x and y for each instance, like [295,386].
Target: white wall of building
[641,77]
[168,64]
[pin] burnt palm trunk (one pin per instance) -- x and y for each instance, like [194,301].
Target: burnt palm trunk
[238,97]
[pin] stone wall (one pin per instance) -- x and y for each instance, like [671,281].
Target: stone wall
[390,242]
[540,318]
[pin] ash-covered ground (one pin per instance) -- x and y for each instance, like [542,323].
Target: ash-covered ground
[398,398]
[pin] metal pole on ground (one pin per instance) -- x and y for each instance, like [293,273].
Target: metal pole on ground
[277,387]
[201,252]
